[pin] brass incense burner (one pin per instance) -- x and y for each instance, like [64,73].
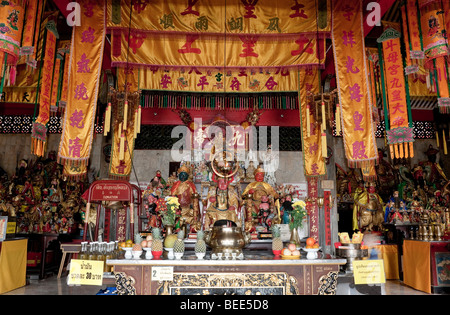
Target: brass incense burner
[227,240]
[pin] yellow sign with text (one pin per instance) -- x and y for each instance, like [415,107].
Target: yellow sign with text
[86,272]
[369,271]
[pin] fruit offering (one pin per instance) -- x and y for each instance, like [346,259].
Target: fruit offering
[290,250]
[311,243]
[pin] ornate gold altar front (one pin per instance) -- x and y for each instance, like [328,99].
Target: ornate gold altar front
[258,274]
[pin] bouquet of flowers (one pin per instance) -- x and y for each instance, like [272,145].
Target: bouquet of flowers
[167,208]
[297,214]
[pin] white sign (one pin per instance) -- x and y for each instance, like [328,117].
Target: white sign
[162,273]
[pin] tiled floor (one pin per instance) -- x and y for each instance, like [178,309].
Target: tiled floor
[54,286]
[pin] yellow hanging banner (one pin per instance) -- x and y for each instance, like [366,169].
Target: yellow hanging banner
[314,164]
[193,51]
[354,94]
[216,17]
[84,79]
[39,131]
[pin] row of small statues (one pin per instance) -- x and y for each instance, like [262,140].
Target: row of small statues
[41,198]
[370,212]
[257,208]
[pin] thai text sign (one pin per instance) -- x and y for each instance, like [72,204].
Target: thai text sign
[85,272]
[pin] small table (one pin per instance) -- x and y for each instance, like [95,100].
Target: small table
[68,248]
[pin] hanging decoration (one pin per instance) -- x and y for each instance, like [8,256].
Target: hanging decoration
[11,27]
[244,80]
[312,128]
[219,17]
[194,52]
[412,38]
[399,127]
[436,49]
[84,79]
[64,51]
[124,121]
[351,75]
[219,101]
[39,132]
[32,22]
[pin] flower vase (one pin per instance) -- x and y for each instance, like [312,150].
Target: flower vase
[169,229]
[295,239]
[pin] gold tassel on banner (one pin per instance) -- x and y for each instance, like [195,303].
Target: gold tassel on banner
[391,150]
[324,144]
[324,120]
[338,120]
[400,150]
[405,148]
[444,145]
[139,119]
[396,151]
[122,147]
[308,122]
[107,120]
[437,139]
[125,115]
[136,117]
[411,150]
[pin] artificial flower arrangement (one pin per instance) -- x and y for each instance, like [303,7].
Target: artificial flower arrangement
[167,208]
[298,213]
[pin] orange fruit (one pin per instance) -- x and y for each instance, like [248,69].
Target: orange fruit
[310,241]
[316,245]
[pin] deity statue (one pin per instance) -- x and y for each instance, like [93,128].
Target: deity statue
[188,198]
[432,171]
[255,194]
[222,203]
[385,175]
[368,210]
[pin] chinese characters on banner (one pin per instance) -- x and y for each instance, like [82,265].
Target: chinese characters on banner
[314,164]
[84,79]
[356,112]
[39,132]
[399,131]
[212,17]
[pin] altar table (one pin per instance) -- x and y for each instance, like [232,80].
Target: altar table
[257,273]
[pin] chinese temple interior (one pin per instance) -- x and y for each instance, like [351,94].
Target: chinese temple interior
[278,147]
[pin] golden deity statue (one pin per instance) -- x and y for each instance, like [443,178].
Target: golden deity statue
[368,210]
[257,194]
[222,203]
[188,198]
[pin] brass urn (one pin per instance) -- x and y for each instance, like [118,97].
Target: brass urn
[227,240]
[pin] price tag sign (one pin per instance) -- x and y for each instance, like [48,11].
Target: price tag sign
[369,271]
[85,272]
[162,273]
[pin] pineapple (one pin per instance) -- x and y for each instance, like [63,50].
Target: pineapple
[200,245]
[178,246]
[277,243]
[157,244]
